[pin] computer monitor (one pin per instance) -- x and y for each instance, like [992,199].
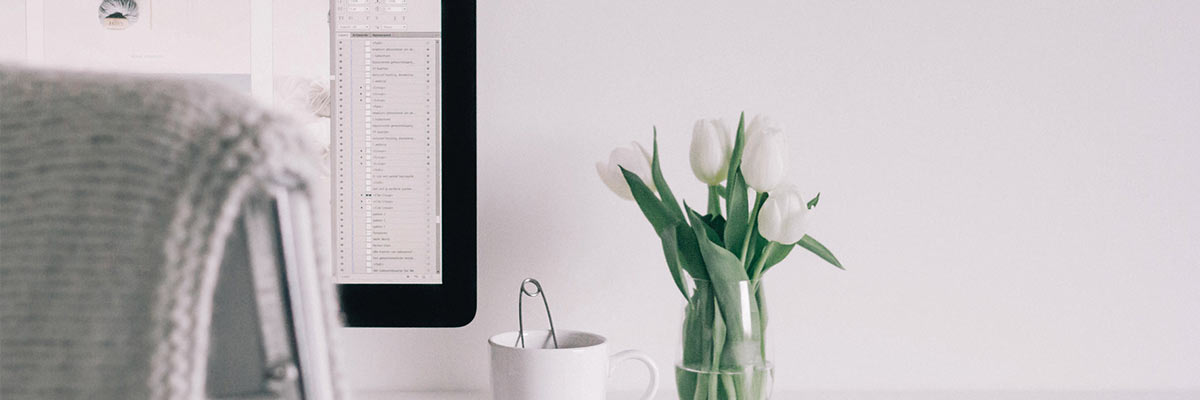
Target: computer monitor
[403,158]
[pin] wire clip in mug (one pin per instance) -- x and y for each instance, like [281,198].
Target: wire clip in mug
[521,315]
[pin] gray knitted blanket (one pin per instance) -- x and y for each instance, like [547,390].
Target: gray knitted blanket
[117,194]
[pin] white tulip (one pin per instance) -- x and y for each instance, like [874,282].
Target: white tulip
[635,159]
[784,217]
[765,160]
[711,148]
[760,123]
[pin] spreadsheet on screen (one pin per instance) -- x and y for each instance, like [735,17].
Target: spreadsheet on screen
[387,141]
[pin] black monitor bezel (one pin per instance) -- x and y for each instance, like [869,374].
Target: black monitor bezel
[452,303]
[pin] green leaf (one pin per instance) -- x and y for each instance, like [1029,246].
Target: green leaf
[718,337]
[729,280]
[739,214]
[756,250]
[722,265]
[752,238]
[704,230]
[712,234]
[689,252]
[716,222]
[813,203]
[654,210]
[667,228]
[670,245]
[697,342]
[775,254]
[810,244]
[735,158]
[668,199]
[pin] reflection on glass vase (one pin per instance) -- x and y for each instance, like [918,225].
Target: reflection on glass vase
[724,354]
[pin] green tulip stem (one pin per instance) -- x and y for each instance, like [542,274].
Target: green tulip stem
[714,199]
[762,261]
[718,346]
[759,199]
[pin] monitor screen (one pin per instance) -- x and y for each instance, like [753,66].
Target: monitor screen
[387,136]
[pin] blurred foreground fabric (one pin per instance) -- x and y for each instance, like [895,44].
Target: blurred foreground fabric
[117,197]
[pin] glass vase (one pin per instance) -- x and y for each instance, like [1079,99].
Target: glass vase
[724,354]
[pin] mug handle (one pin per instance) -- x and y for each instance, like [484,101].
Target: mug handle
[645,359]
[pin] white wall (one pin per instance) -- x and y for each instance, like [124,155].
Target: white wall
[1012,186]
[12,48]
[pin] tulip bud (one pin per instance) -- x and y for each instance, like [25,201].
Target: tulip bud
[784,217]
[759,124]
[765,160]
[711,148]
[635,159]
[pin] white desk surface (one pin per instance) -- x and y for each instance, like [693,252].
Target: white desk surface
[845,395]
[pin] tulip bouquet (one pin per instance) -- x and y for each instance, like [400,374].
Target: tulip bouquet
[717,260]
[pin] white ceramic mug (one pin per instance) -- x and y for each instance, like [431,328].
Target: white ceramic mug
[577,369]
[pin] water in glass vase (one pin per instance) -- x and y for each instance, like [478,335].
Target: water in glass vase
[724,355]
